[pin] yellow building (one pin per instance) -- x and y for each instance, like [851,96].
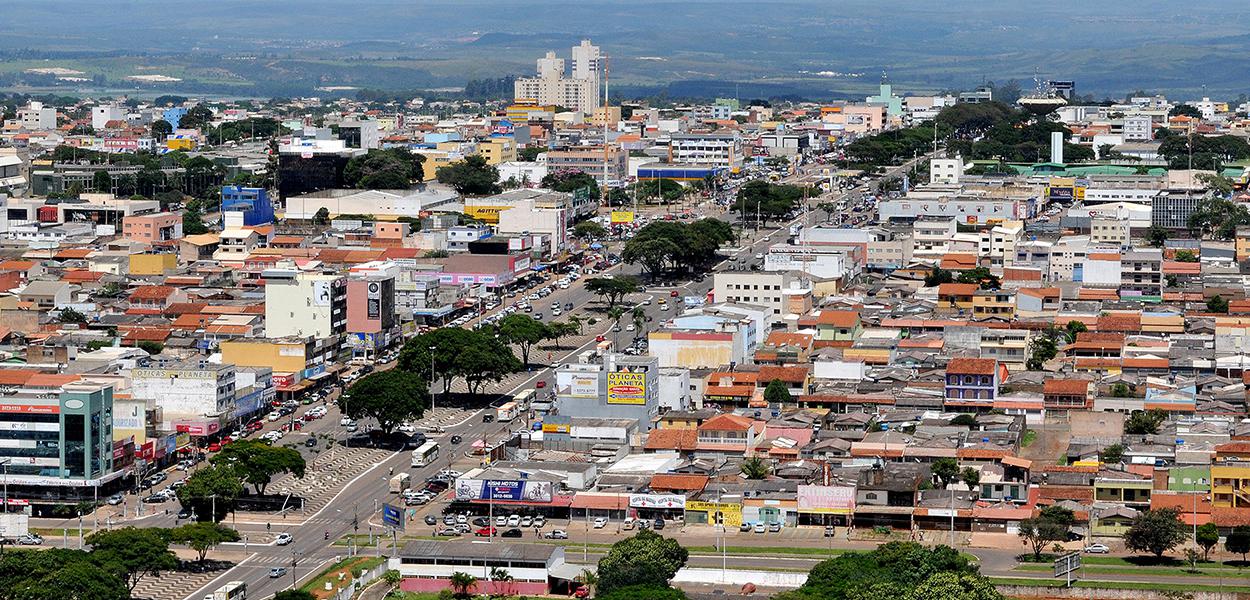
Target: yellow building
[180,143]
[497,150]
[288,355]
[433,160]
[994,303]
[152,264]
[1230,486]
[613,115]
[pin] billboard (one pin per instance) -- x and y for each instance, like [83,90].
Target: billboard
[622,217]
[826,499]
[730,512]
[555,428]
[657,501]
[516,490]
[373,301]
[393,516]
[627,388]
[584,387]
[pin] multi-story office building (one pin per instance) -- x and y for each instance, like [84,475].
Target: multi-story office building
[591,160]
[716,149]
[193,397]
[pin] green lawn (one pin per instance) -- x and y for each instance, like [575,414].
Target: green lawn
[1203,571]
[1121,585]
[1029,437]
[317,584]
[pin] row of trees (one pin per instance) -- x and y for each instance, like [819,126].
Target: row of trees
[764,201]
[211,492]
[117,561]
[525,332]
[663,245]
[1152,531]
[476,356]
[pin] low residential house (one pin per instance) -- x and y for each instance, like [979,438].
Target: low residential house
[46,295]
[727,434]
[154,299]
[956,297]
[1061,395]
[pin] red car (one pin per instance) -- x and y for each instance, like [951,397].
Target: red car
[486,532]
[599,338]
[673,294]
[582,592]
[214,447]
[540,385]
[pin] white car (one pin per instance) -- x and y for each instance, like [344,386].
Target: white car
[407,428]
[345,421]
[1097,549]
[283,539]
[501,521]
[600,523]
[514,521]
[630,327]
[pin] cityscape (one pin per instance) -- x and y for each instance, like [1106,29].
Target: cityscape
[551,333]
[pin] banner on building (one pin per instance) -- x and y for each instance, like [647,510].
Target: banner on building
[556,428]
[516,490]
[826,499]
[730,512]
[627,388]
[373,301]
[584,387]
[657,501]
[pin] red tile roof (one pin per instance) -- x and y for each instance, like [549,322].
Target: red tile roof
[838,318]
[797,374]
[972,366]
[957,289]
[672,439]
[152,292]
[1066,387]
[676,481]
[726,422]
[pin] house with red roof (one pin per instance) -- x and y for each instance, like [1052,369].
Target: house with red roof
[154,299]
[728,434]
[972,382]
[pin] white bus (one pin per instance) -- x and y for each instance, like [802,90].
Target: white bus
[524,399]
[507,412]
[425,455]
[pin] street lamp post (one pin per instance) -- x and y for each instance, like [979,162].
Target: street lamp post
[431,349]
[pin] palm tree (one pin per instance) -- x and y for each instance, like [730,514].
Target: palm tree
[754,468]
[502,575]
[640,318]
[462,583]
[590,579]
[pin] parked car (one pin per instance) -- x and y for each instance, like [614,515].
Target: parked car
[512,533]
[658,524]
[30,539]
[600,523]
[514,521]
[486,532]
[557,534]
[1097,549]
[448,532]
[430,520]
[760,528]
[745,528]
[115,499]
[829,531]
[540,521]
[774,527]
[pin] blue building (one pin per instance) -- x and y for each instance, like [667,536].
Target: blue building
[253,202]
[687,173]
[174,115]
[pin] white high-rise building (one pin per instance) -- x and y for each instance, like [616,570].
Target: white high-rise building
[551,87]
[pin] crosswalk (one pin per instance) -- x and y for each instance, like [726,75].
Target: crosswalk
[174,584]
[328,474]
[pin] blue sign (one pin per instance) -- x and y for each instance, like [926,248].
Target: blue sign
[393,516]
[502,489]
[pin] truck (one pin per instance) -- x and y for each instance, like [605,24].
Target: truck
[14,526]
[235,590]
[507,412]
[399,483]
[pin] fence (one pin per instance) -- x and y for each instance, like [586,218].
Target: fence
[360,583]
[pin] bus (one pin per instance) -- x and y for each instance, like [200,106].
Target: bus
[425,455]
[507,412]
[524,399]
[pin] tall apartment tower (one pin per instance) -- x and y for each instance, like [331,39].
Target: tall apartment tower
[551,86]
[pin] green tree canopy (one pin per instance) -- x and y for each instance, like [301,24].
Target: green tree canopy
[203,537]
[524,332]
[777,392]
[135,552]
[646,559]
[1238,541]
[754,468]
[764,201]
[569,180]
[294,595]
[211,487]
[1208,535]
[257,462]
[59,574]
[614,289]
[1217,304]
[589,230]
[946,470]
[1146,422]
[475,355]
[390,397]
[893,570]
[471,176]
[1155,531]
[1112,454]
[1051,525]
[389,169]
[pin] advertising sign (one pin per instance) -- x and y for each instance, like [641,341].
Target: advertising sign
[584,387]
[321,293]
[555,427]
[516,490]
[730,512]
[373,301]
[393,516]
[622,217]
[657,501]
[283,379]
[826,499]
[627,388]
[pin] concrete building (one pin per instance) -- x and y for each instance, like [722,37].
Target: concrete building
[767,289]
[194,397]
[591,160]
[721,150]
[104,114]
[372,323]
[300,304]
[156,229]
[546,228]
[382,204]
[617,386]
[1172,209]
[550,87]
[36,116]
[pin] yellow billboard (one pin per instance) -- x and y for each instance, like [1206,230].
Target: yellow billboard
[731,512]
[555,427]
[627,388]
[622,216]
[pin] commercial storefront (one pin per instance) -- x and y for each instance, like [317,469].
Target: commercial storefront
[826,505]
[727,513]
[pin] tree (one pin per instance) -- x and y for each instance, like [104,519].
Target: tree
[754,468]
[1121,390]
[161,129]
[1208,536]
[647,558]
[971,478]
[390,169]
[135,552]
[523,331]
[1051,525]
[589,230]
[777,392]
[1218,218]
[980,276]
[651,254]
[101,181]
[569,180]
[899,570]
[1155,531]
[1145,422]
[613,289]
[937,277]
[193,222]
[964,420]
[197,117]
[151,347]
[471,176]
[955,586]
[1073,329]
[590,579]
[462,583]
[69,315]
[58,574]
[1217,304]
[321,217]
[1041,349]
[1238,541]
[256,462]
[529,153]
[203,537]
[946,470]
[1185,110]
[296,594]
[1186,256]
[390,397]
[1112,454]
[1157,235]
[210,492]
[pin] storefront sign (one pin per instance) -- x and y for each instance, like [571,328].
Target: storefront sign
[627,388]
[657,501]
[826,499]
[584,387]
[730,512]
[516,490]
